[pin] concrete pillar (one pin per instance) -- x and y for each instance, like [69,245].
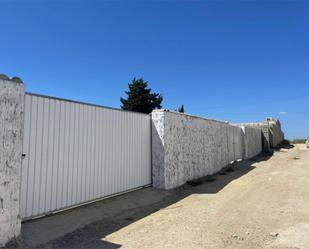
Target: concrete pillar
[158,152]
[12,96]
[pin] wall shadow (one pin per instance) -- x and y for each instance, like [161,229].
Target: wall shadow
[264,156]
[118,212]
[215,183]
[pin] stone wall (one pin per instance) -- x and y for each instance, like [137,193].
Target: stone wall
[235,138]
[186,147]
[158,151]
[272,135]
[11,123]
[264,128]
[276,133]
[252,141]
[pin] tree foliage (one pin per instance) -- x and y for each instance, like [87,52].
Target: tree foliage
[140,98]
[181,109]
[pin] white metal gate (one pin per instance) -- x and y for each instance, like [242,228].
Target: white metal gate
[77,152]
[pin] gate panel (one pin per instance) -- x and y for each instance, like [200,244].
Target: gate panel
[77,152]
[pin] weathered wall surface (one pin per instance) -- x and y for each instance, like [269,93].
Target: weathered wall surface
[277,135]
[272,134]
[235,138]
[264,127]
[186,147]
[158,153]
[265,137]
[11,123]
[252,141]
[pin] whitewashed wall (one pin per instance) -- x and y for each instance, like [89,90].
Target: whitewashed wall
[11,123]
[276,134]
[272,134]
[235,140]
[186,147]
[76,153]
[252,141]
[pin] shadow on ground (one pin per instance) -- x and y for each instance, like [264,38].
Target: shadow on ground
[264,156]
[87,226]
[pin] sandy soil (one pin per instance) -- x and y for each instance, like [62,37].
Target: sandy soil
[264,203]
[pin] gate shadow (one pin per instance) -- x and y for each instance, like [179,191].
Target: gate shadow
[87,226]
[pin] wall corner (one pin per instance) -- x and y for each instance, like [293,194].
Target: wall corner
[158,151]
[12,96]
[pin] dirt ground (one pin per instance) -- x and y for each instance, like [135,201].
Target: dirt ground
[264,203]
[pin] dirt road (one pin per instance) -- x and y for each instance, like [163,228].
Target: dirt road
[262,204]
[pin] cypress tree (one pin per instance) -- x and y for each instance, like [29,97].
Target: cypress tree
[140,98]
[181,109]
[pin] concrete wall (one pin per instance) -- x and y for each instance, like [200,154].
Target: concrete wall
[235,139]
[252,138]
[186,147]
[272,135]
[276,133]
[158,151]
[264,128]
[11,123]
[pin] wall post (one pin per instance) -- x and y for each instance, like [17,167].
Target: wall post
[12,95]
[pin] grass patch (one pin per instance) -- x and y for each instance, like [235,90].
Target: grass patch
[129,219]
[229,169]
[195,182]
[199,181]
[285,142]
[210,179]
[298,141]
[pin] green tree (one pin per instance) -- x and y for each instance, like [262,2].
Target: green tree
[181,109]
[140,98]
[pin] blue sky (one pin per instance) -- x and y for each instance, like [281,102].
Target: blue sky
[236,61]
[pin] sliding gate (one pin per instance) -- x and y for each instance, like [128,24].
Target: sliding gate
[76,152]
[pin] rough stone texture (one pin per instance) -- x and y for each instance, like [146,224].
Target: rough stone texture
[272,134]
[252,141]
[11,123]
[277,135]
[186,147]
[158,154]
[264,127]
[265,137]
[236,147]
